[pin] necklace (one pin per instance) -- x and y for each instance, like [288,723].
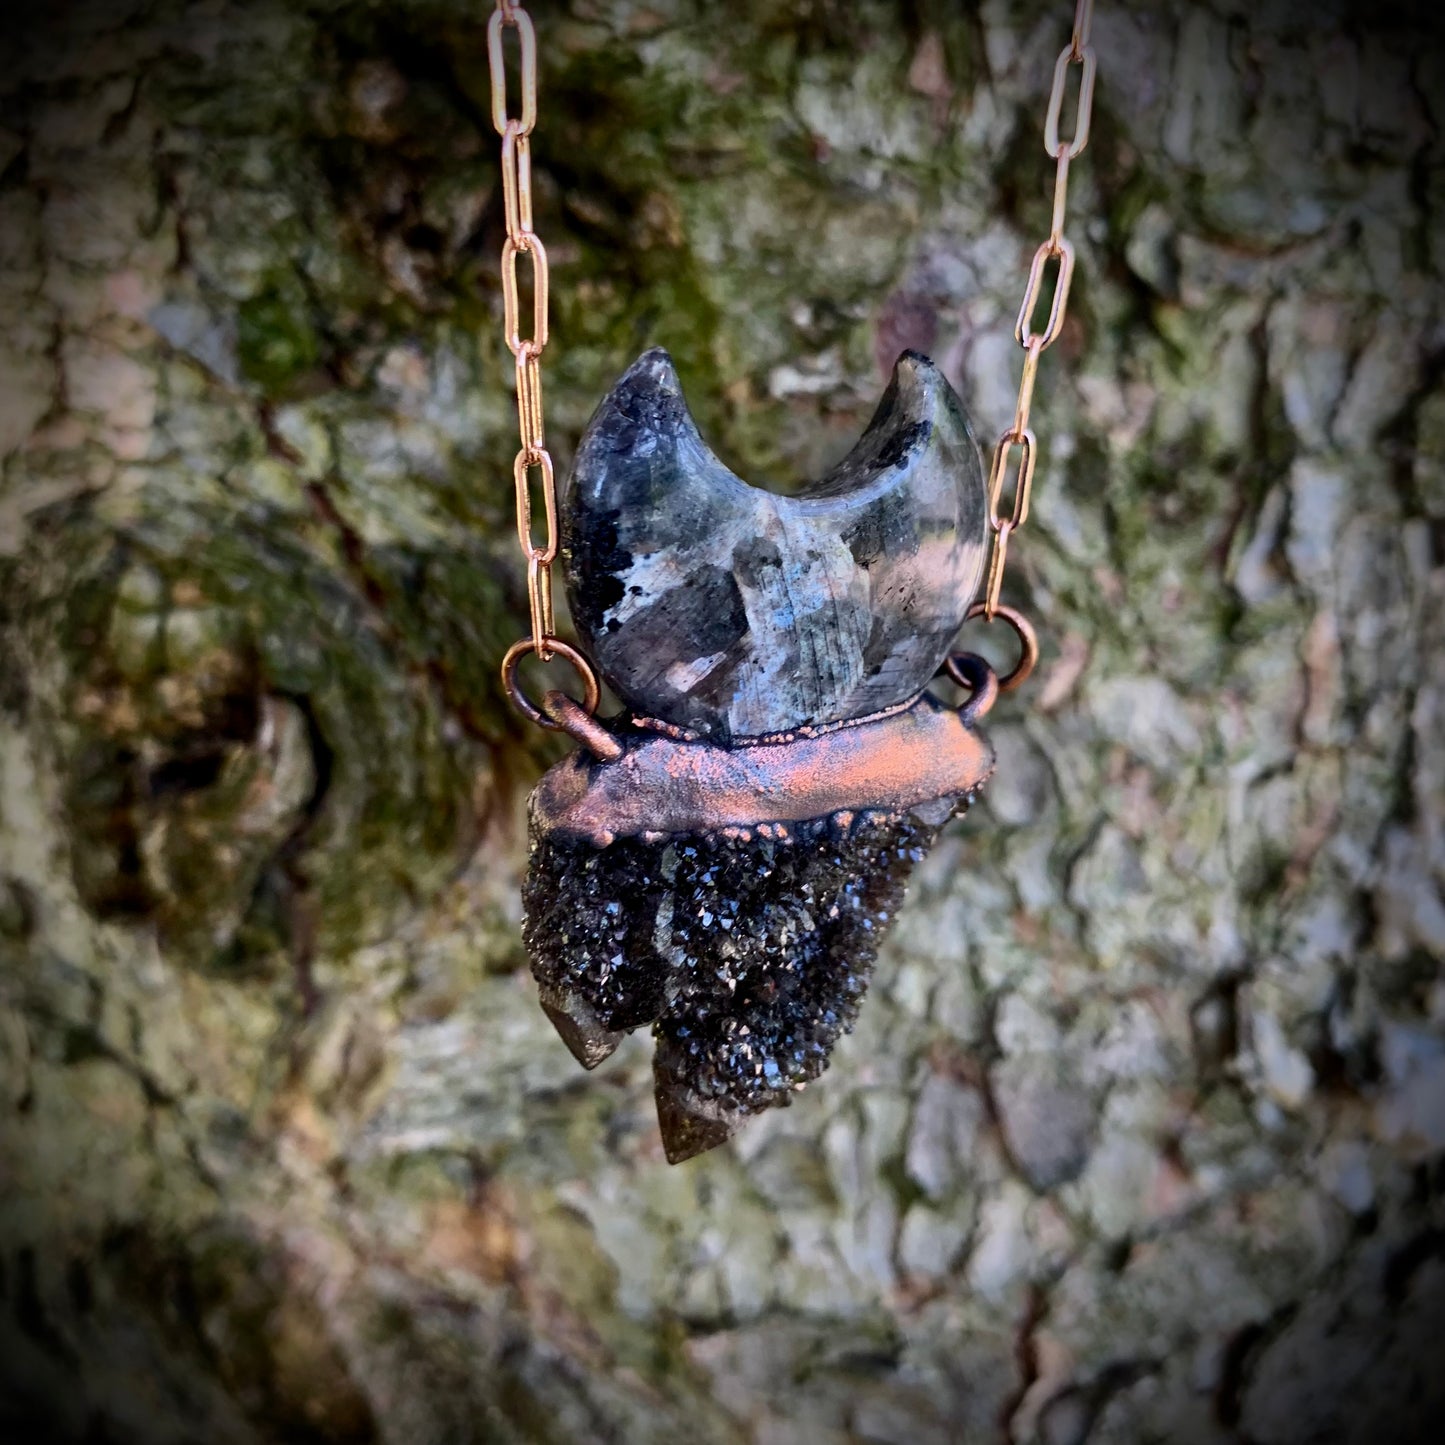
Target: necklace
[721,860]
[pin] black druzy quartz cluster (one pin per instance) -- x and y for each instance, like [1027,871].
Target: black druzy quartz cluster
[748,955]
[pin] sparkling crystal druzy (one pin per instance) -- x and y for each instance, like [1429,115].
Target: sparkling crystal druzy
[749,956]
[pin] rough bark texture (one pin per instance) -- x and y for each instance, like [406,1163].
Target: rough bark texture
[1140,1135]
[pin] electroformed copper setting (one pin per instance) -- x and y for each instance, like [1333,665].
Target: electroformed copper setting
[652,786]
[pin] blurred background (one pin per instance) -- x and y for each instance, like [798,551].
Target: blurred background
[1140,1136]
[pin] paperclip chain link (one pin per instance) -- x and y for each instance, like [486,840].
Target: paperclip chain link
[1058,251]
[533,460]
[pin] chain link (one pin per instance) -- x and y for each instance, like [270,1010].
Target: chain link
[532,456]
[1056,254]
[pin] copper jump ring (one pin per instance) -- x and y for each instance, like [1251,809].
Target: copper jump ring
[1023,629]
[977,678]
[591,694]
[574,720]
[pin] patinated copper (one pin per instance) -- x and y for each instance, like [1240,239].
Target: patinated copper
[657,784]
[574,720]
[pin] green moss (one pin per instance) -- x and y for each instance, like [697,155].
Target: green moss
[276,340]
[183,812]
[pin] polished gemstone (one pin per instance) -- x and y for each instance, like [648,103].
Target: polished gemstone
[733,611]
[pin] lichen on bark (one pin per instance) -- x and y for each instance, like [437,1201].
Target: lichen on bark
[1140,1135]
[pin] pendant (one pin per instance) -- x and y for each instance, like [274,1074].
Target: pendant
[722,860]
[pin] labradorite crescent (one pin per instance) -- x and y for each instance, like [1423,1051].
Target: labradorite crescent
[732,611]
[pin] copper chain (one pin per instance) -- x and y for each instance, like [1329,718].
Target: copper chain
[1059,251]
[532,456]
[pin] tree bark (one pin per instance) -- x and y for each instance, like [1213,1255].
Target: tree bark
[1140,1136]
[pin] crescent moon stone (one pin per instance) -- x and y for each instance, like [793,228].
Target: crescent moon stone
[731,611]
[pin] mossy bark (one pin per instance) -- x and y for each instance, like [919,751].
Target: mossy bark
[1140,1136]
